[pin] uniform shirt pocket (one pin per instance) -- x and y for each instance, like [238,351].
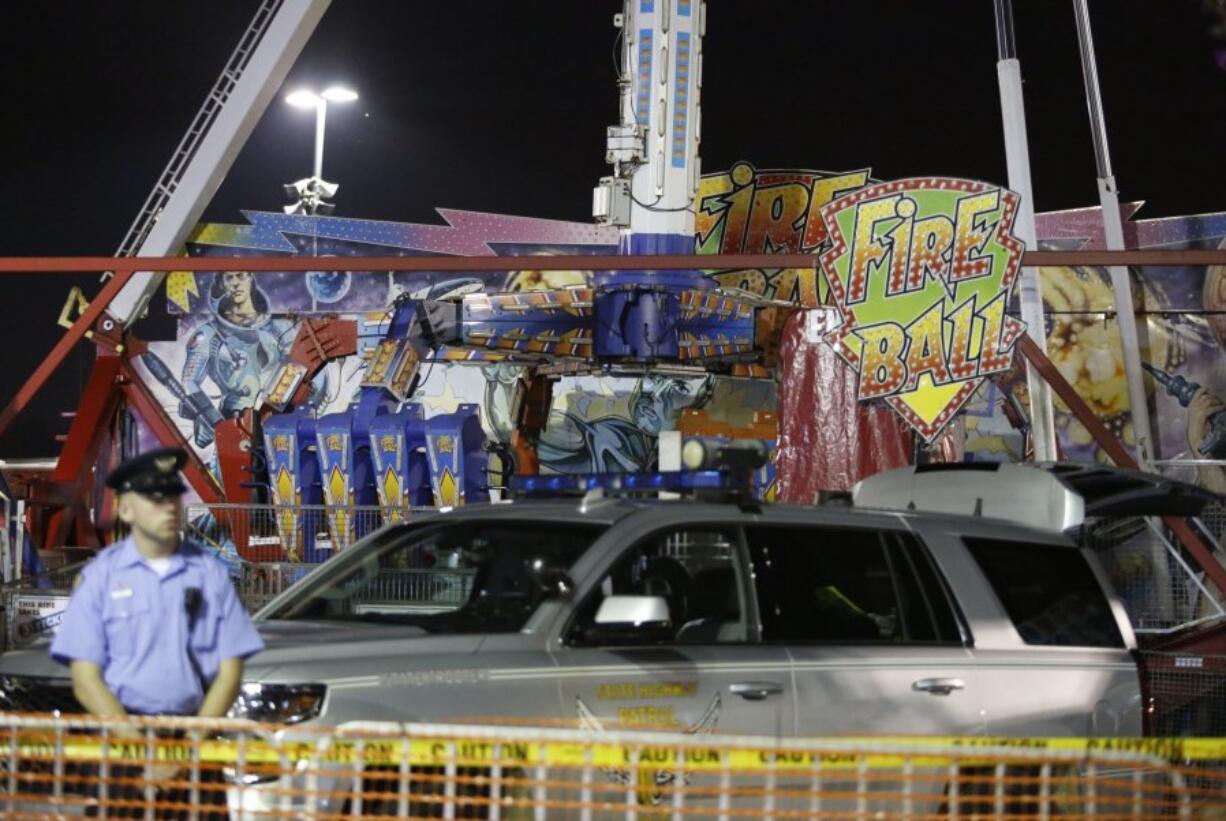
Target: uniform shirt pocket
[122,621]
[204,635]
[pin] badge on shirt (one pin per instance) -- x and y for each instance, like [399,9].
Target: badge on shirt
[121,593]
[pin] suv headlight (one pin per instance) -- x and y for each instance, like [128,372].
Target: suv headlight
[279,703]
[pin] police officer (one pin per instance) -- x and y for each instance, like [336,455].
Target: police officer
[154,626]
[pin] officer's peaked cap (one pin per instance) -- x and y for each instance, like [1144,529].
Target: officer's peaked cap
[152,472]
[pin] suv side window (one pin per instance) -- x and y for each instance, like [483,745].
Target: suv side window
[1050,593]
[698,572]
[830,584]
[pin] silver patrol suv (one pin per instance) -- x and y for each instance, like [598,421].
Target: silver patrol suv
[694,616]
[870,615]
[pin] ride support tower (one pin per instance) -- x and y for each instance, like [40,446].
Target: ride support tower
[652,192]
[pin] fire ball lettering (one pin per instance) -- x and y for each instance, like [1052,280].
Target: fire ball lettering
[748,211]
[913,253]
[921,271]
[894,358]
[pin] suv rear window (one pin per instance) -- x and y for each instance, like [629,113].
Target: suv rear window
[1050,593]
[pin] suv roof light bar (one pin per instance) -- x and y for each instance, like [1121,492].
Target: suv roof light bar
[579,484]
[719,470]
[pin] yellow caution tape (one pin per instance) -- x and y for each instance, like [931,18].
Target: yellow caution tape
[882,752]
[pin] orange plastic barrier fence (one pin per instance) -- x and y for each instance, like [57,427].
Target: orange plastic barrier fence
[188,768]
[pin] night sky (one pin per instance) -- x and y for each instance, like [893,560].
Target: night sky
[503,106]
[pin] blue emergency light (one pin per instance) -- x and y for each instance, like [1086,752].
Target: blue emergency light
[716,469]
[568,484]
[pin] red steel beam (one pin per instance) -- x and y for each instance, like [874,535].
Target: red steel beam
[1118,453]
[75,334]
[99,403]
[673,262]
[167,433]
[581,262]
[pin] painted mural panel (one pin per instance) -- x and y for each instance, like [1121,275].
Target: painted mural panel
[1183,323]
[1183,338]
[236,328]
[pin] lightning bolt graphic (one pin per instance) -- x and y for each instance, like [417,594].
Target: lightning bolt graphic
[1083,226]
[180,287]
[466,233]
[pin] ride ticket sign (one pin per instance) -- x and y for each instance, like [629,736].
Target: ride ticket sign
[921,272]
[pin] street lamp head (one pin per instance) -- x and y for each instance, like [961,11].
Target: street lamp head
[312,199]
[339,94]
[303,99]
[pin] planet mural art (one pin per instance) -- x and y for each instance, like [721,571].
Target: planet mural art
[328,286]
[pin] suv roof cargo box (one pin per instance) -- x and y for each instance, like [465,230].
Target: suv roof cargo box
[1050,496]
[1016,493]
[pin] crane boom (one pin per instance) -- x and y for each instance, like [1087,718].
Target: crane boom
[235,104]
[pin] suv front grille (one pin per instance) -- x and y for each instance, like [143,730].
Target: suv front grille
[37,694]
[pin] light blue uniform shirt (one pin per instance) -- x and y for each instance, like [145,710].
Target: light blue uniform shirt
[134,624]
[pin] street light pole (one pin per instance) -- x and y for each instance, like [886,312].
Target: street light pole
[312,193]
[321,117]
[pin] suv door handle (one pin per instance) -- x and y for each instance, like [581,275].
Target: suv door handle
[938,686]
[755,690]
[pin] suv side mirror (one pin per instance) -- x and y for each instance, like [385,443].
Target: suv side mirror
[630,620]
[554,581]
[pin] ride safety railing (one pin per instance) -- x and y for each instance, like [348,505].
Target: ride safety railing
[33,606]
[307,534]
[197,768]
[271,547]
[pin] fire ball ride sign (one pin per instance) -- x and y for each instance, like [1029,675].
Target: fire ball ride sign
[921,272]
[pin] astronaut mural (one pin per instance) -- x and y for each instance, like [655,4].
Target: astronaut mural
[579,440]
[235,349]
[233,340]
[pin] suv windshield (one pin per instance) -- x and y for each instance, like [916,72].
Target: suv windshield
[470,577]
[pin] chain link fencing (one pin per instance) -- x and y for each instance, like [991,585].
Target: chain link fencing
[1170,592]
[1185,693]
[1162,589]
[1165,593]
[194,768]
